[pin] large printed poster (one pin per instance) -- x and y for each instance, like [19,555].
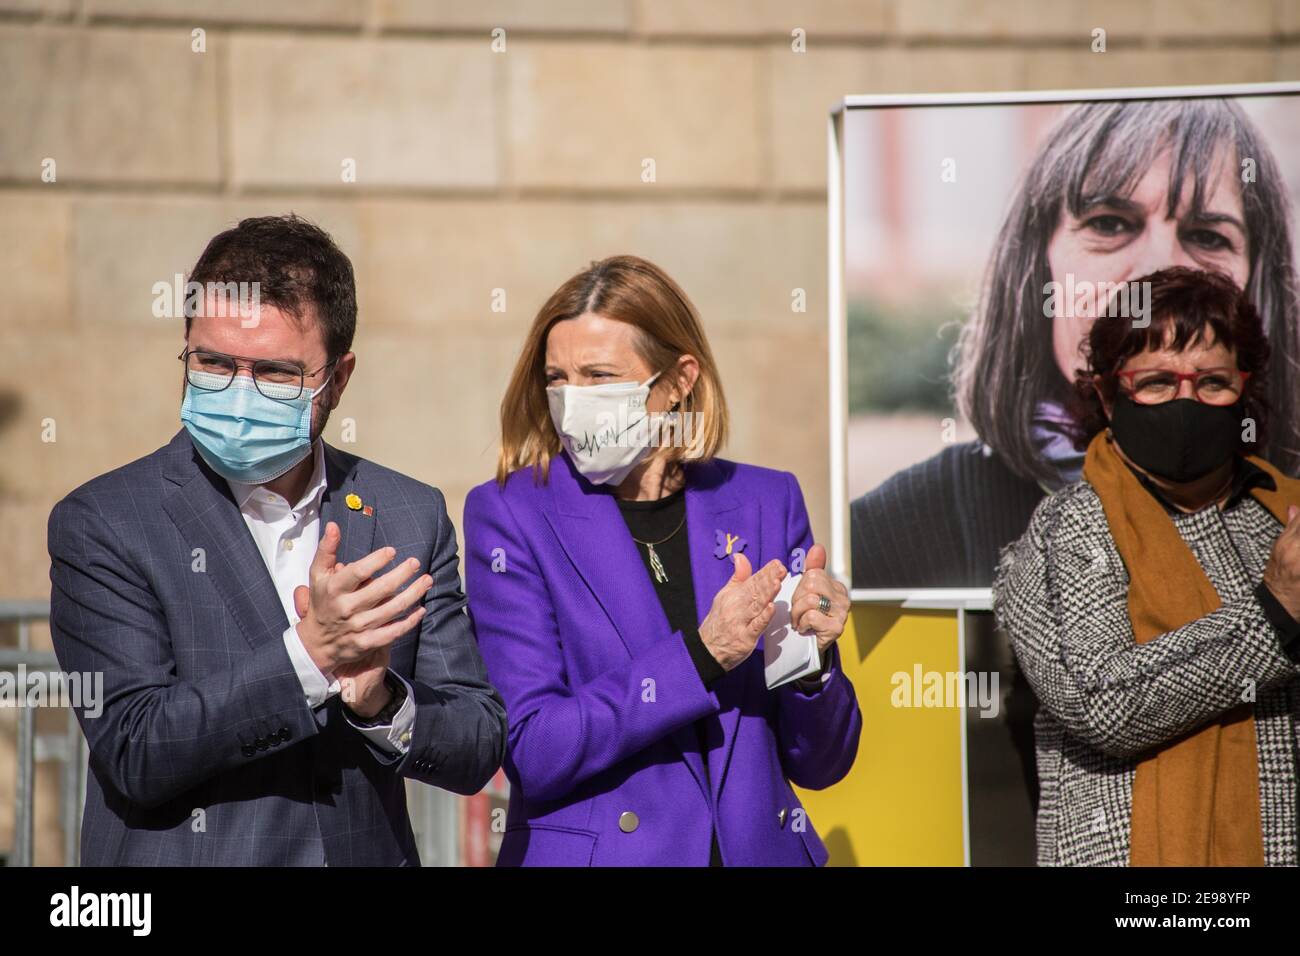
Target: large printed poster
[981,239]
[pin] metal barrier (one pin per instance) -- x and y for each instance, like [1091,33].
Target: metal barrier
[436,821]
[67,748]
[435,814]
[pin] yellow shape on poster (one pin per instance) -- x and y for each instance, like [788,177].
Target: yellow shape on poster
[901,804]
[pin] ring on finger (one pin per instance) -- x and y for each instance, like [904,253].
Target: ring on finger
[824,604]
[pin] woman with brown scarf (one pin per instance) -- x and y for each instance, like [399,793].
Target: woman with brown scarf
[1153,605]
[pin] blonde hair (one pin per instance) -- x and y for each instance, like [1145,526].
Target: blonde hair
[626,289]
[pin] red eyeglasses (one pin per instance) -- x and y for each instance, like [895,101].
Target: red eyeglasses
[1212,386]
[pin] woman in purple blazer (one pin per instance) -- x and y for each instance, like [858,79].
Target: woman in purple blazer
[610,578]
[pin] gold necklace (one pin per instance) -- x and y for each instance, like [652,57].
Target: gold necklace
[657,566]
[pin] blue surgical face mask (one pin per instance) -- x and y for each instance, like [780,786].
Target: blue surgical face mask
[242,434]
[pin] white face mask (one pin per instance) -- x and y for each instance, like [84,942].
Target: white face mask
[604,428]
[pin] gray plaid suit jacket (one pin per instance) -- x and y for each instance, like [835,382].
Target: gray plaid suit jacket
[206,752]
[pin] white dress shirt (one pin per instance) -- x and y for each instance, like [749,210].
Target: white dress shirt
[287,539]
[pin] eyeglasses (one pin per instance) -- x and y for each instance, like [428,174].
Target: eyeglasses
[214,371]
[1211,386]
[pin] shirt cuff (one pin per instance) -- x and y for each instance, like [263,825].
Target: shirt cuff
[315,687]
[394,738]
[706,664]
[1287,627]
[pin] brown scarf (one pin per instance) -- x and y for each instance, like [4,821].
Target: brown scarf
[1195,798]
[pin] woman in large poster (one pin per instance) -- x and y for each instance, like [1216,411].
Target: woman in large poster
[1116,190]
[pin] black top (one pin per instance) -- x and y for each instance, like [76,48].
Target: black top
[942,522]
[663,522]
[666,519]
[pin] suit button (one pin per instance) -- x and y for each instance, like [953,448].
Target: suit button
[780,818]
[284,733]
[628,821]
[261,743]
[249,750]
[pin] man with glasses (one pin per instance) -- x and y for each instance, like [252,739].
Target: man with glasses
[280,624]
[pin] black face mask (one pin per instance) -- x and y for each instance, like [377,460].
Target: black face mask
[1180,440]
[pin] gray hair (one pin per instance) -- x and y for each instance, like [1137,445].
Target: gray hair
[1003,363]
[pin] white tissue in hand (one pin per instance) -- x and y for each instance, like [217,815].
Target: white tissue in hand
[787,654]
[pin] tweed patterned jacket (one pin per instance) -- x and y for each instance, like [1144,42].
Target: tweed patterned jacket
[1061,594]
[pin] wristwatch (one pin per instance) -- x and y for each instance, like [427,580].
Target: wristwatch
[386,713]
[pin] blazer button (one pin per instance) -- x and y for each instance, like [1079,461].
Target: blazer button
[284,733]
[261,743]
[780,818]
[628,821]
[248,750]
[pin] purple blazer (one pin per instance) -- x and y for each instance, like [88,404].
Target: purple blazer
[601,697]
